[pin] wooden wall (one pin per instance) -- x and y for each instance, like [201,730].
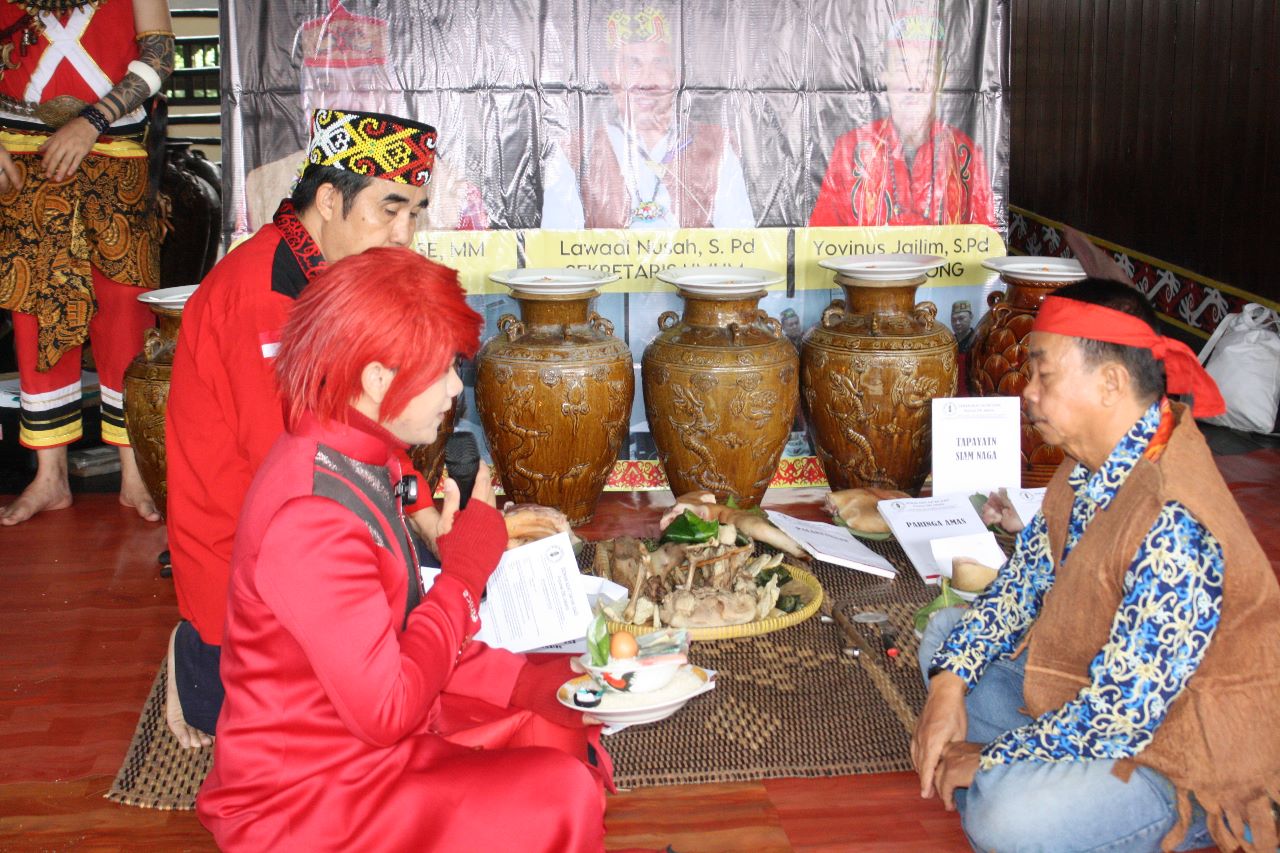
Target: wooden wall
[1154,124]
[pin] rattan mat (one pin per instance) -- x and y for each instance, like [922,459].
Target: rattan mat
[787,704]
[792,703]
[158,773]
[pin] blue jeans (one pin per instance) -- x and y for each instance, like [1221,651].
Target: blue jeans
[1058,806]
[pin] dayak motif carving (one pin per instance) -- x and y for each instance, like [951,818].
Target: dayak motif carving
[554,390]
[998,364]
[868,373]
[146,398]
[720,390]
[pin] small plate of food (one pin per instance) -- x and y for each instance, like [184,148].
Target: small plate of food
[173,298]
[553,281]
[1037,268]
[621,662]
[969,578]
[615,709]
[883,267]
[720,281]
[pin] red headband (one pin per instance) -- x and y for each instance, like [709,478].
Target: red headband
[1063,316]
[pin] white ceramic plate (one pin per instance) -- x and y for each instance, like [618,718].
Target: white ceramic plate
[552,281]
[883,267]
[629,708]
[169,297]
[1036,268]
[720,281]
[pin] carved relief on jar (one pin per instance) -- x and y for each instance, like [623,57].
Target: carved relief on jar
[554,390]
[869,370]
[998,359]
[720,391]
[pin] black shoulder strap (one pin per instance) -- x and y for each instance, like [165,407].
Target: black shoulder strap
[366,491]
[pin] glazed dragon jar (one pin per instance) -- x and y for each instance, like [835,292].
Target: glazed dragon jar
[868,372]
[146,399]
[554,391]
[998,358]
[720,386]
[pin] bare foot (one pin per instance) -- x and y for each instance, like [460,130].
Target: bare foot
[133,492]
[48,491]
[189,737]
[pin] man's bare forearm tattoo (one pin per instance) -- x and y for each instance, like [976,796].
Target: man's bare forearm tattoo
[156,51]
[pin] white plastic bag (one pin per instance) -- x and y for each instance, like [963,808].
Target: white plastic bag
[1246,366]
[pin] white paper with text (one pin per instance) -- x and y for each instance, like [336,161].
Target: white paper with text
[535,597]
[915,522]
[977,445]
[833,544]
[1026,502]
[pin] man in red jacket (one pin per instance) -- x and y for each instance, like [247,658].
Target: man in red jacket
[363,186]
[360,712]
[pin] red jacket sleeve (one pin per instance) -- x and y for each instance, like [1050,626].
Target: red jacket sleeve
[982,203]
[833,206]
[319,572]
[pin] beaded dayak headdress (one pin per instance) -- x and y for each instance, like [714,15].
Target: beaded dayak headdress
[647,25]
[385,147]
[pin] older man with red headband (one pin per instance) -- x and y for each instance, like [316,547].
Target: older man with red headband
[1114,687]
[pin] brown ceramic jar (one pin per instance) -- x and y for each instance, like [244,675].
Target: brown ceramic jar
[868,372]
[720,393]
[554,392]
[146,397]
[998,363]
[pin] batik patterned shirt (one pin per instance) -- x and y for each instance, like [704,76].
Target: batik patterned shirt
[1170,608]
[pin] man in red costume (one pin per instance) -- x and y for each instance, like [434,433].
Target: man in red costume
[910,168]
[78,235]
[359,713]
[363,186]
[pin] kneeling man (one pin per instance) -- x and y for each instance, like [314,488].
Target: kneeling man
[1114,688]
[360,714]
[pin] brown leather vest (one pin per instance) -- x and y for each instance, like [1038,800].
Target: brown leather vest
[1219,741]
[691,181]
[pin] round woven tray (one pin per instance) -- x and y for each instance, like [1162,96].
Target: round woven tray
[813,593]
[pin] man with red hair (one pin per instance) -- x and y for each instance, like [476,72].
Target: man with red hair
[1114,687]
[363,186]
[359,712]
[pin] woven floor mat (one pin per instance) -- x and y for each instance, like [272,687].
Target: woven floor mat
[787,704]
[793,703]
[158,773]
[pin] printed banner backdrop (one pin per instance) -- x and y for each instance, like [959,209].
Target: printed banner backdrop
[632,137]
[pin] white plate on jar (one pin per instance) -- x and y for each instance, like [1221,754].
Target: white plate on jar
[720,281]
[625,709]
[1037,268]
[169,297]
[552,281]
[891,267]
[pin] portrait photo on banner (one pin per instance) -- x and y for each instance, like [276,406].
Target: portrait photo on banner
[571,130]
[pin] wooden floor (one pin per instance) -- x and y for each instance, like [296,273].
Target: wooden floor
[84,619]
